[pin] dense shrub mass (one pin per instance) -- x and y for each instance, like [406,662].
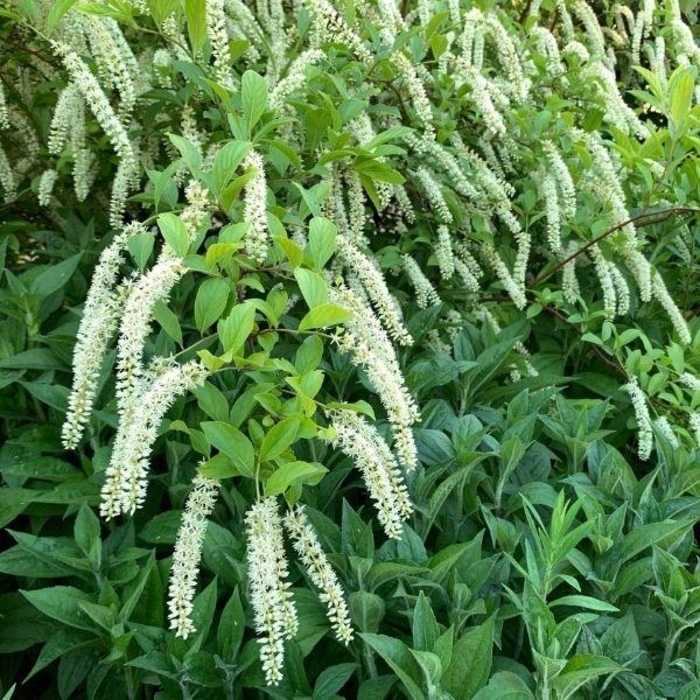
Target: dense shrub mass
[349,349]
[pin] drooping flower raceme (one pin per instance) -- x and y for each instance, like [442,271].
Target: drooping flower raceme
[275,614]
[425,292]
[188,553]
[124,490]
[315,561]
[256,237]
[376,288]
[360,441]
[98,323]
[645,436]
[369,346]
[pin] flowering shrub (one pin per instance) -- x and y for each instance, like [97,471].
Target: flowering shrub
[451,245]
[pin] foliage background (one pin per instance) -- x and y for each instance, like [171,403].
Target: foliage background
[544,558]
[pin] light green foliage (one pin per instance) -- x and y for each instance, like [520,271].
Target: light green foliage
[483,213]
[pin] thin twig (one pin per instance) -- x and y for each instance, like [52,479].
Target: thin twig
[639,220]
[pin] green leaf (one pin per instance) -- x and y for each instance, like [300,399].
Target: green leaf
[56,14]
[162,9]
[324,315]
[681,86]
[226,162]
[175,233]
[279,438]
[212,401]
[585,602]
[233,443]
[54,277]
[196,14]
[312,286]
[253,97]
[366,610]
[291,472]
[141,246]
[203,614]
[581,669]
[236,327]
[61,642]
[36,358]
[188,151]
[321,246]
[86,532]
[73,668]
[430,664]
[162,528]
[331,680]
[211,301]
[168,320]
[231,628]
[61,603]
[294,253]
[309,355]
[663,534]
[470,666]
[505,685]
[425,627]
[219,467]
[398,656]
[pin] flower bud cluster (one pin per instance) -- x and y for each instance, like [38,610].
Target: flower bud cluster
[330,26]
[374,285]
[546,45]
[548,190]
[485,96]
[274,612]
[255,210]
[617,111]
[622,290]
[562,177]
[96,99]
[596,40]
[517,85]
[97,325]
[188,554]
[4,113]
[661,294]
[115,61]
[694,420]
[416,91]
[645,435]
[425,292]
[295,78]
[664,427]
[68,117]
[126,482]
[360,441]
[319,570]
[219,39]
[46,183]
[431,189]
[514,290]
[605,279]
[369,346]
[443,252]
